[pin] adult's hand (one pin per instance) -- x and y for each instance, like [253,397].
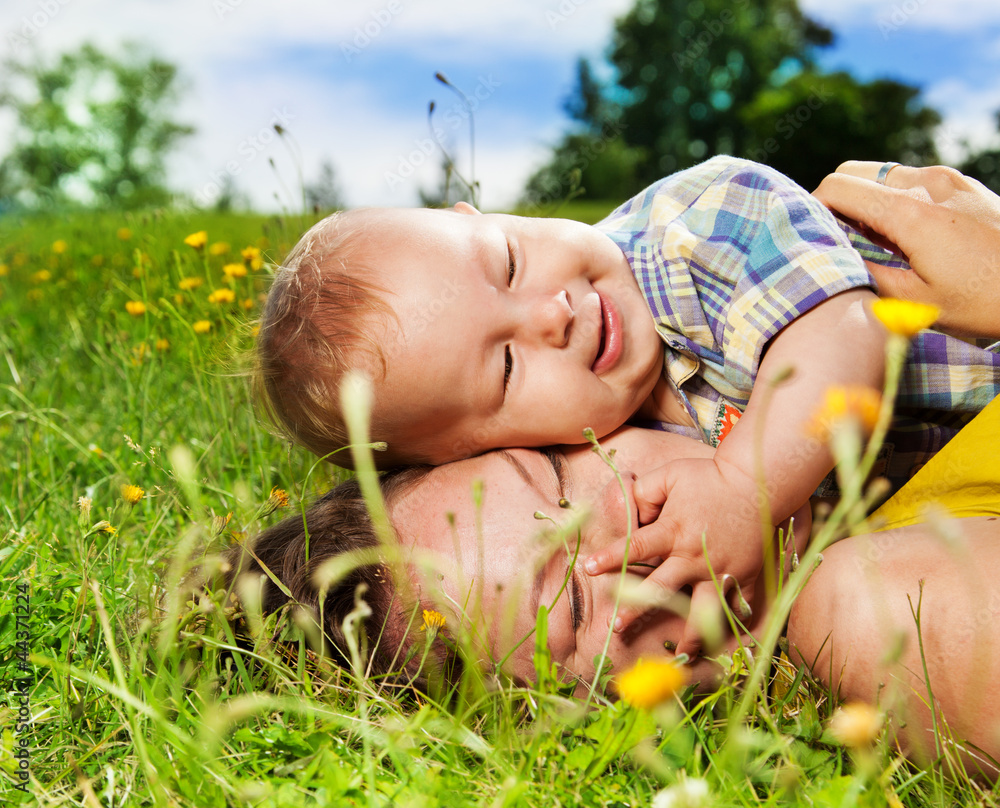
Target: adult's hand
[946,224]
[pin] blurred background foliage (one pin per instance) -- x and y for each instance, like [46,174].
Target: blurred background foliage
[693,79]
[90,126]
[683,81]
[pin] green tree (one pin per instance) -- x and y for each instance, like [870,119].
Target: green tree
[91,127]
[688,68]
[694,78]
[812,122]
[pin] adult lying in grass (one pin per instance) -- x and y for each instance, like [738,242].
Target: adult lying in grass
[487,568]
[858,605]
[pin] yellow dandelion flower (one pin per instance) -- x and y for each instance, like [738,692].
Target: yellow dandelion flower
[132,494]
[856,724]
[59,247]
[135,307]
[201,326]
[179,299]
[851,402]
[278,497]
[222,296]
[105,527]
[162,345]
[124,234]
[234,271]
[4,270]
[188,284]
[137,272]
[197,240]
[246,303]
[905,317]
[97,260]
[42,276]
[651,682]
[251,256]
[432,620]
[218,248]
[255,331]
[95,450]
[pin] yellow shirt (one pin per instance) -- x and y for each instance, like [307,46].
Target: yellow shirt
[963,478]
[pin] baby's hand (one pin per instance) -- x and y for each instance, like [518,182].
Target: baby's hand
[689,498]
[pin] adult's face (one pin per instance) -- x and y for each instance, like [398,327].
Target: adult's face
[501,555]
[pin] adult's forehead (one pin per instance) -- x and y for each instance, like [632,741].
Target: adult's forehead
[473,482]
[453,539]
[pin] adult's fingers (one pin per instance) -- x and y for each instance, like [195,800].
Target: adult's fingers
[890,212]
[899,176]
[899,283]
[940,182]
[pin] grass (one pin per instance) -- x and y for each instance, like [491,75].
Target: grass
[129,710]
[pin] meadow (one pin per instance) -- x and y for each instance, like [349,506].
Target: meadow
[131,456]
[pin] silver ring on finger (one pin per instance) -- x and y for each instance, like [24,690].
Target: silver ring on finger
[883,172]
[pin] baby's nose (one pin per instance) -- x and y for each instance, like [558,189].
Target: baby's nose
[553,318]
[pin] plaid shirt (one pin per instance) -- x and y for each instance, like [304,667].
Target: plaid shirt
[730,252]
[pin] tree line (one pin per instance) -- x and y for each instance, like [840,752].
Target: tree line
[689,79]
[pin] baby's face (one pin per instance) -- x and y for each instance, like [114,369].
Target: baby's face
[512,331]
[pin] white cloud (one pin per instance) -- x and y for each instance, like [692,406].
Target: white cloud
[951,15]
[969,113]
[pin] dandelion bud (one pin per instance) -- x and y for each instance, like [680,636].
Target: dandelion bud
[84,503]
[219,523]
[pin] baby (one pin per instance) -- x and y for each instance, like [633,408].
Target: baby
[483,331]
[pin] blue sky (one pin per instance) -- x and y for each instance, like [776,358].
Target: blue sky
[351,79]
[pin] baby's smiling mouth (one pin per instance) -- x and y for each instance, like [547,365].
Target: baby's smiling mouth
[609,342]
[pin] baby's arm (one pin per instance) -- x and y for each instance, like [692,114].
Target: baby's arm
[838,342]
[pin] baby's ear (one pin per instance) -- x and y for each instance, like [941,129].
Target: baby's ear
[465,207]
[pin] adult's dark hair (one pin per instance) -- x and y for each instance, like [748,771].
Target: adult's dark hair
[338,524]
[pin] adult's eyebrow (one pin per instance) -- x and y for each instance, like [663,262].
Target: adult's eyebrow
[518,466]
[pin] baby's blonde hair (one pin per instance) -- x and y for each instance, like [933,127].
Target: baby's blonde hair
[317,324]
